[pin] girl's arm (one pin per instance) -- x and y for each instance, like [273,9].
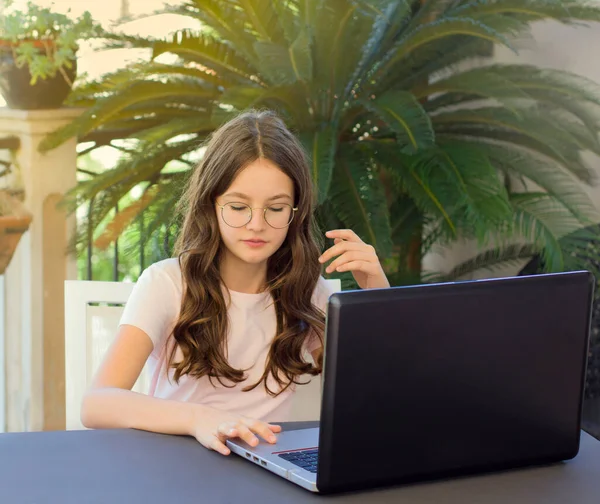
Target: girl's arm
[110,402]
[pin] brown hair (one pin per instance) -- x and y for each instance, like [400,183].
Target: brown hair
[292,272]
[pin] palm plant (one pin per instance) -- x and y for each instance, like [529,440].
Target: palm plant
[416,141]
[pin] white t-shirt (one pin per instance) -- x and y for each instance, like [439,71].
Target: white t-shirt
[154,307]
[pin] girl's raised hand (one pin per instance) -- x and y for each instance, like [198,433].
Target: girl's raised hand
[352,254]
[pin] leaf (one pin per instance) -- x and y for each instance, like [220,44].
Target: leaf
[359,201]
[472,85]
[124,218]
[543,221]
[455,183]
[406,117]
[226,20]
[558,140]
[171,130]
[263,16]
[546,175]
[321,145]
[481,199]
[300,56]
[437,31]
[136,92]
[391,16]
[114,184]
[208,51]
[412,176]
[338,26]
[530,10]
[496,258]
[516,81]
[286,65]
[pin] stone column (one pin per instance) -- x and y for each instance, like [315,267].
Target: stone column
[34,281]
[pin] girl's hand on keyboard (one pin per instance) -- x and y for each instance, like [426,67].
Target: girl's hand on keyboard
[212,427]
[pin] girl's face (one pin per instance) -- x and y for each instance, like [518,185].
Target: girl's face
[250,233]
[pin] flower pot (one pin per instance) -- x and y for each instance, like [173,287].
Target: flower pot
[14,221]
[19,93]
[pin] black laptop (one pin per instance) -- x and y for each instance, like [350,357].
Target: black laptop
[443,380]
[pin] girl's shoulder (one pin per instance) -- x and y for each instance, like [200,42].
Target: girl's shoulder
[167,270]
[321,294]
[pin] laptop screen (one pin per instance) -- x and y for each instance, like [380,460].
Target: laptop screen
[447,378]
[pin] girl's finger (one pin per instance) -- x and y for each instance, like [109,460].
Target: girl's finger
[262,429]
[275,428]
[217,445]
[363,266]
[346,258]
[247,435]
[344,234]
[227,430]
[340,248]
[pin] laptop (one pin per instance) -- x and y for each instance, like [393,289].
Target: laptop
[444,380]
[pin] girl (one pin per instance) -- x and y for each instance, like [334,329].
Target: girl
[226,325]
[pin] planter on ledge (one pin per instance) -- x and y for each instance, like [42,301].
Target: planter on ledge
[16,87]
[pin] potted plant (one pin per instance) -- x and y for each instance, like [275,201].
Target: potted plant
[38,55]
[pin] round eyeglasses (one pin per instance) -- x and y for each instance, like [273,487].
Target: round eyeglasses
[237,215]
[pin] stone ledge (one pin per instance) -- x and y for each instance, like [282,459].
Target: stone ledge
[36,122]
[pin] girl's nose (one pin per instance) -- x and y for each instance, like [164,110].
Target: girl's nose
[257,222]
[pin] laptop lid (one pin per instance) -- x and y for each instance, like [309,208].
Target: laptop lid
[440,380]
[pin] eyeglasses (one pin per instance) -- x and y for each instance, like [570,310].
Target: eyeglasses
[238,215]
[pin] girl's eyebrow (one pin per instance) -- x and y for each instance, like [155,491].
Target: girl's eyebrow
[245,197]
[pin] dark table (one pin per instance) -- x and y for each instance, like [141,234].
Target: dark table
[129,466]
[591,416]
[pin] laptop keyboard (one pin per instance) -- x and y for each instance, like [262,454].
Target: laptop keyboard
[307,459]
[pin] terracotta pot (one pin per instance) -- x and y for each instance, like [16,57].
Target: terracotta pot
[14,221]
[16,89]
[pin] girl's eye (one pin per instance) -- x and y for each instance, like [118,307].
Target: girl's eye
[276,208]
[238,208]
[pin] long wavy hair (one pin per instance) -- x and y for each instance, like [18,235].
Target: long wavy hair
[292,272]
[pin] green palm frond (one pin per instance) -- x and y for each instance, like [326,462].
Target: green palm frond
[286,64]
[390,17]
[209,52]
[550,177]
[497,258]
[411,175]
[514,87]
[289,101]
[403,114]
[321,145]
[457,184]
[562,141]
[264,19]
[226,20]
[528,11]
[428,37]
[541,220]
[132,170]
[187,91]
[179,126]
[359,201]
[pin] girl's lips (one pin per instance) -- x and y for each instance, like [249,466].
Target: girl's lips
[255,243]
